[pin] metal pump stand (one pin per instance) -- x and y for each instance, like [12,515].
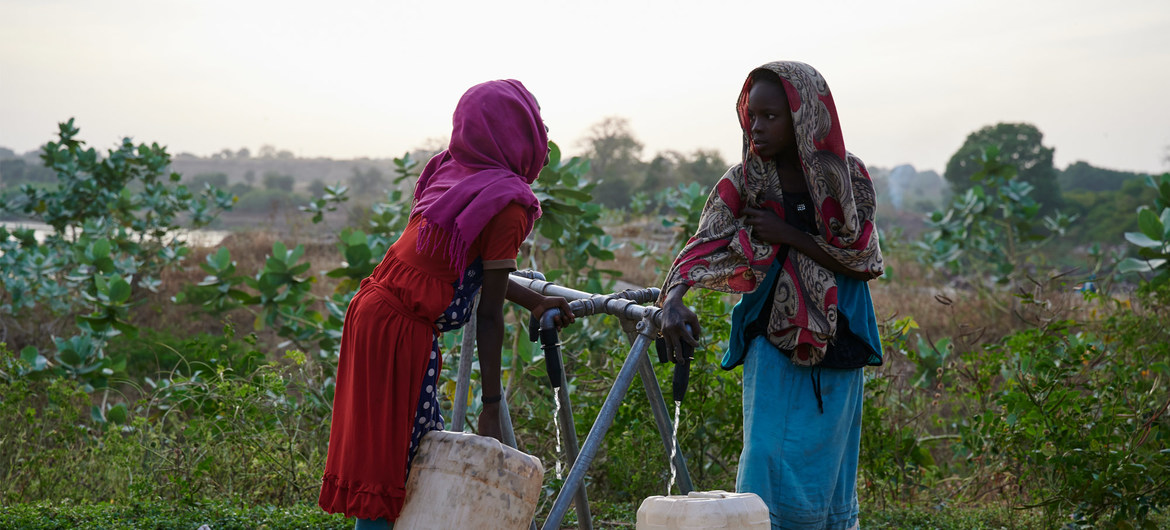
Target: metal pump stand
[644,322]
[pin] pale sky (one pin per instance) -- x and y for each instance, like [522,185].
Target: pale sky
[346,79]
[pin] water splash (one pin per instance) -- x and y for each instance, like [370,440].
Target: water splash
[557,428]
[673,447]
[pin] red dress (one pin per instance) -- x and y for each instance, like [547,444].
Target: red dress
[386,345]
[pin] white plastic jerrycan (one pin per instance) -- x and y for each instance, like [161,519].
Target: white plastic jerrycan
[460,480]
[704,510]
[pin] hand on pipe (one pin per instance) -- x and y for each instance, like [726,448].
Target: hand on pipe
[676,317]
[564,318]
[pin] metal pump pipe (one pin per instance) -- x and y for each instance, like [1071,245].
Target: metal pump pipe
[604,420]
[638,362]
[463,374]
[641,296]
[550,342]
[611,305]
[530,274]
[625,305]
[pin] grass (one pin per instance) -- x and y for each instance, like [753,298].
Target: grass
[947,518]
[159,515]
[224,516]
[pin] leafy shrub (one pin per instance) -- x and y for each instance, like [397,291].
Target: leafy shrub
[44,441]
[896,463]
[202,431]
[571,238]
[993,230]
[257,436]
[116,222]
[1154,238]
[161,351]
[1078,418]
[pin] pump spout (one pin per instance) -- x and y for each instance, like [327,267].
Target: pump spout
[682,369]
[550,342]
[678,384]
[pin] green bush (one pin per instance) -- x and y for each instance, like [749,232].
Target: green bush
[993,231]
[44,440]
[1153,241]
[896,464]
[160,351]
[115,219]
[258,437]
[1076,417]
[204,431]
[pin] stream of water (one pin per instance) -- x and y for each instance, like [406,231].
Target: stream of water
[673,446]
[556,427]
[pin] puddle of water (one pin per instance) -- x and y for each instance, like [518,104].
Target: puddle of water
[196,238]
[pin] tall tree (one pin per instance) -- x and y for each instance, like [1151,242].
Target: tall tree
[704,166]
[367,181]
[614,154]
[671,168]
[660,173]
[1081,175]
[611,147]
[1019,145]
[275,181]
[16,171]
[217,180]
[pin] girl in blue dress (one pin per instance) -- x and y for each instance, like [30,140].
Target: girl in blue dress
[792,227]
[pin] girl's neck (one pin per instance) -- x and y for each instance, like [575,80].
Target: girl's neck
[791,174]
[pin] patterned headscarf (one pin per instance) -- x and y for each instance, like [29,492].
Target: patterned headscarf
[498,147]
[724,256]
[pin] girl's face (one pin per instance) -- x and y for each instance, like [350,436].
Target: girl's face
[769,120]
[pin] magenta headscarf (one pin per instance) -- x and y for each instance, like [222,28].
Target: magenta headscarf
[498,147]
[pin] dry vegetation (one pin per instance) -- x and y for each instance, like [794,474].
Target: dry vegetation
[907,289]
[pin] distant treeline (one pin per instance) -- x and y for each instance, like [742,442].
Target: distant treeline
[1103,199]
[272,181]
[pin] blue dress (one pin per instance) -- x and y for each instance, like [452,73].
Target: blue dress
[802,425]
[800,461]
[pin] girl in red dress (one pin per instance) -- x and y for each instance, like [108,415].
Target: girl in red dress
[473,206]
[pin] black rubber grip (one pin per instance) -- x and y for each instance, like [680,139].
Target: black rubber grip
[533,328]
[682,375]
[682,370]
[550,342]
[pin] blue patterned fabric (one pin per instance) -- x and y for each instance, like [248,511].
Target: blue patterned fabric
[428,417]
